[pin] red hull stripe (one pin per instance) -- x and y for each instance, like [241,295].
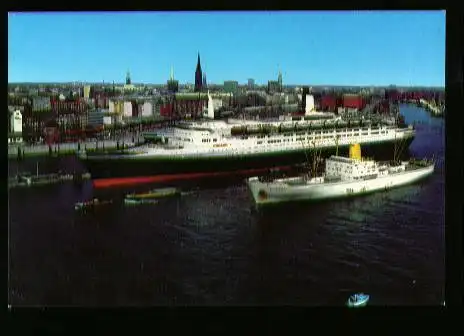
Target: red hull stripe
[113,182]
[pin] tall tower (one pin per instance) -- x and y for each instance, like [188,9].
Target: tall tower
[128,79]
[280,81]
[204,80]
[198,76]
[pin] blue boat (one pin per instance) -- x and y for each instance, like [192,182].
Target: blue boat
[357,300]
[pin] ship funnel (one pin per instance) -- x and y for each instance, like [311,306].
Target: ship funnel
[355,151]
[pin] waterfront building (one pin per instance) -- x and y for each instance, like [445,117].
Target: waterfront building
[15,133]
[127,109]
[116,106]
[95,118]
[353,101]
[328,103]
[41,103]
[87,91]
[70,118]
[146,109]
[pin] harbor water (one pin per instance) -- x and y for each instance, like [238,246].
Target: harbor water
[211,247]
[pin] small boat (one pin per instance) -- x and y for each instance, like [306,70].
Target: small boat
[357,300]
[90,204]
[129,201]
[155,193]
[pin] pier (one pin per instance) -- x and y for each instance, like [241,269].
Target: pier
[435,110]
[27,180]
[20,151]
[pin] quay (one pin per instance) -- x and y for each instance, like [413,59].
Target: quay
[435,110]
[26,180]
[19,150]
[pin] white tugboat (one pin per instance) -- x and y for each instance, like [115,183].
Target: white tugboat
[343,177]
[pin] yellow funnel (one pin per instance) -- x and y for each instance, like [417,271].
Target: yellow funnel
[355,152]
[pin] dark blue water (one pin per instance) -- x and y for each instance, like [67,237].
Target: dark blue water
[212,247]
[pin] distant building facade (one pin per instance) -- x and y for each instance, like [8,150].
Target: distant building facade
[127,109]
[251,84]
[147,109]
[231,86]
[273,87]
[15,129]
[41,103]
[87,91]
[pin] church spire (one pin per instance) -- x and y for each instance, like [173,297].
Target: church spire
[198,62]
[280,80]
[198,76]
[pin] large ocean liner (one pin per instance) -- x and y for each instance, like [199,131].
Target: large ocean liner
[231,145]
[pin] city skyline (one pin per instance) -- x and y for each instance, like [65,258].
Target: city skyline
[320,48]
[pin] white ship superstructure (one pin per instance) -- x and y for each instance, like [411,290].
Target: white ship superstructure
[233,145]
[343,177]
[214,138]
[236,137]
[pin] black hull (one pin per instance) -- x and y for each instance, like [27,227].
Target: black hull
[102,169]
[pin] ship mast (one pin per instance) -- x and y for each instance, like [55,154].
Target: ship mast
[306,155]
[316,154]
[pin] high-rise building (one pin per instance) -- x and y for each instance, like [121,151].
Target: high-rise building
[128,79]
[251,83]
[198,76]
[279,80]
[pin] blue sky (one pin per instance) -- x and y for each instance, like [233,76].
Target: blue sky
[319,48]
